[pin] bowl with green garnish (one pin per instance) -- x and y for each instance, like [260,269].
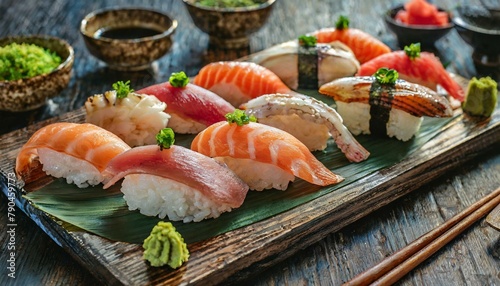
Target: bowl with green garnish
[229,23]
[33,68]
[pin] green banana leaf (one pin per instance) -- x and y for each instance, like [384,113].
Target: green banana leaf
[105,213]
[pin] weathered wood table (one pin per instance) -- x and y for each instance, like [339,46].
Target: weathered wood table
[337,256]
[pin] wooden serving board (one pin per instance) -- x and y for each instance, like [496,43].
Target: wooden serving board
[237,254]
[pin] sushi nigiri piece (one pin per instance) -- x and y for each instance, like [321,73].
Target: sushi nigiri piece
[175,182]
[308,119]
[393,110]
[364,46]
[423,68]
[135,118]
[77,152]
[238,82]
[192,108]
[262,156]
[300,66]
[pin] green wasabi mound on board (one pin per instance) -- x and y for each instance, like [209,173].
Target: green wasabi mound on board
[18,61]
[481,97]
[165,246]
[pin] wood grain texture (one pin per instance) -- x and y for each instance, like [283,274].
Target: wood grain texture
[278,247]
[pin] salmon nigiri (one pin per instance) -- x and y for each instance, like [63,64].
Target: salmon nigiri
[262,156]
[238,82]
[77,152]
[192,108]
[364,46]
[423,68]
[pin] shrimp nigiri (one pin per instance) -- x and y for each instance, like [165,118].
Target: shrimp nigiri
[423,68]
[364,46]
[77,152]
[263,156]
[191,107]
[238,82]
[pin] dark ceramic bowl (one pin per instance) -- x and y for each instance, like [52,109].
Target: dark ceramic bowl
[31,93]
[128,38]
[229,27]
[407,34]
[478,28]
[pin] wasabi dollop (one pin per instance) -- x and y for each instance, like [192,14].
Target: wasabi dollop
[18,61]
[481,97]
[165,246]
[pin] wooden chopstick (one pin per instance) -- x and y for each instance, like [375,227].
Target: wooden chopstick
[393,267]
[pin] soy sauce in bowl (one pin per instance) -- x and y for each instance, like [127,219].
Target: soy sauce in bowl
[126,33]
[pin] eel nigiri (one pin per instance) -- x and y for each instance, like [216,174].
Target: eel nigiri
[77,152]
[423,68]
[177,183]
[192,108]
[238,82]
[263,156]
[392,110]
[308,119]
[135,118]
[364,46]
[307,67]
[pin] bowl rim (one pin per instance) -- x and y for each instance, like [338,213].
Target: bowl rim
[388,18]
[459,21]
[68,61]
[166,33]
[230,9]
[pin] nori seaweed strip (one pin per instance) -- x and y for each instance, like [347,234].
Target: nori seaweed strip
[381,96]
[308,67]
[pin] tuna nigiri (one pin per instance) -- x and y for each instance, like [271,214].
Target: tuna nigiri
[364,46]
[263,156]
[77,152]
[175,182]
[191,107]
[396,109]
[307,119]
[238,82]
[423,68]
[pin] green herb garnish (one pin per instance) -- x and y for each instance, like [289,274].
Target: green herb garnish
[165,138]
[19,61]
[342,23]
[178,79]
[240,117]
[122,88]
[386,76]
[307,41]
[413,51]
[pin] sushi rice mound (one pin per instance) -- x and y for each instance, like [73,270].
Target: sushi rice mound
[157,196]
[184,126]
[77,171]
[356,116]
[258,176]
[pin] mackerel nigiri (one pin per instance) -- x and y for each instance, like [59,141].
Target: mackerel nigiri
[77,152]
[238,82]
[308,119]
[191,107]
[175,182]
[263,156]
[423,68]
[396,109]
[364,46]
